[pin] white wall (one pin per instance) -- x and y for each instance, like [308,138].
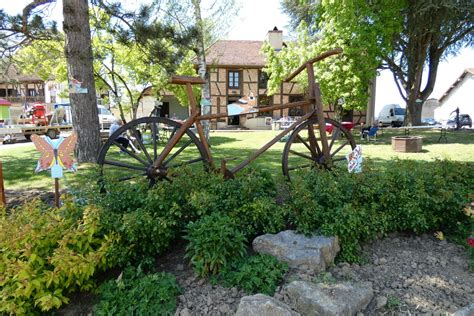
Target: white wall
[462,97]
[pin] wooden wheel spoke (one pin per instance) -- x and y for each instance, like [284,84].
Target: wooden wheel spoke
[185,163]
[313,141]
[123,165]
[141,145]
[189,142]
[155,139]
[335,135]
[307,146]
[300,167]
[130,153]
[301,154]
[339,148]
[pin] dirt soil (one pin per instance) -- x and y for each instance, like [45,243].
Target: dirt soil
[410,275]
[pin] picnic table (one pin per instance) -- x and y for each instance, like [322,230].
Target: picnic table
[346,125]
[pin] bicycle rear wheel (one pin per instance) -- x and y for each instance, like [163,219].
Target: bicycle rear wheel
[147,137]
[303,150]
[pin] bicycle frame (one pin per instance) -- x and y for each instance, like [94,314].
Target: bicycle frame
[312,105]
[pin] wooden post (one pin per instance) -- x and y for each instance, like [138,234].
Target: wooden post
[56,192]
[3,201]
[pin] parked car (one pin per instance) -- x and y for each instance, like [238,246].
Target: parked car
[429,121]
[464,120]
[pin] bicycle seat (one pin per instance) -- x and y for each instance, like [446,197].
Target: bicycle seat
[186,79]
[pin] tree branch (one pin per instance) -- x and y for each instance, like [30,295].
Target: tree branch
[27,12]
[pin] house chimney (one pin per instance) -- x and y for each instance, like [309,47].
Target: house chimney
[275,38]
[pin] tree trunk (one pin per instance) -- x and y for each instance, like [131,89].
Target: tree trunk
[79,58]
[202,70]
[413,114]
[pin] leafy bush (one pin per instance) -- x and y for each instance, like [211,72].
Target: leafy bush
[48,253]
[254,274]
[135,293]
[214,240]
[408,196]
[260,216]
[146,220]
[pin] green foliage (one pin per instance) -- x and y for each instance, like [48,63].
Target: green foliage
[362,30]
[408,196]
[44,58]
[254,274]
[48,253]
[186,68]
[325,277]
[213,241]
[393,302]
[135,293]
[145,220]
[260,216]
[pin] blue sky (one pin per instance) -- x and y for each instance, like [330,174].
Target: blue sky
[256,17]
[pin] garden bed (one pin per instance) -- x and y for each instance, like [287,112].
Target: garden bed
[416,275]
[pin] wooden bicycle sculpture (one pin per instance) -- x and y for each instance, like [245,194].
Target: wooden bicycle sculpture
[165,144]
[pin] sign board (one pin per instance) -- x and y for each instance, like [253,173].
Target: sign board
[245,105]
[354,160]
[55,154]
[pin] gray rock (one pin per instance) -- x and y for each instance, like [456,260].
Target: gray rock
[300,252]
[224,309]
[380,302]
[263,305]
[466,311]
[329,299]
[184,312]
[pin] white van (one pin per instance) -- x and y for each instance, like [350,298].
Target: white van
[392,114]
[106,118]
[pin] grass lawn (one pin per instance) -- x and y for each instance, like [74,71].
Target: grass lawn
[19,161]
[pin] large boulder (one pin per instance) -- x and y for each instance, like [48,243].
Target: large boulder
[466,311]
[329,299]
[311,254]
[263,305]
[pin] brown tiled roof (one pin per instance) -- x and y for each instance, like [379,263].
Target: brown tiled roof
[11,73]
[235,53]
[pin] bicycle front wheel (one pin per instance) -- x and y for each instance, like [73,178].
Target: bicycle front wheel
[303,150]
[130,152]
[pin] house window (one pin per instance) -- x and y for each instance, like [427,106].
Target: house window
[234,79]
[295,111]
[263,101]
[262,79]
[31,92]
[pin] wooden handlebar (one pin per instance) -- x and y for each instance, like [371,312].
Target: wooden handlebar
[187,79]
[312,61]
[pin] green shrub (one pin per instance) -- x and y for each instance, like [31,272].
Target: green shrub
[254,274]
[48,253]
[213,241]
[138,294]
[146,220]
[260,216]
[408,196]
